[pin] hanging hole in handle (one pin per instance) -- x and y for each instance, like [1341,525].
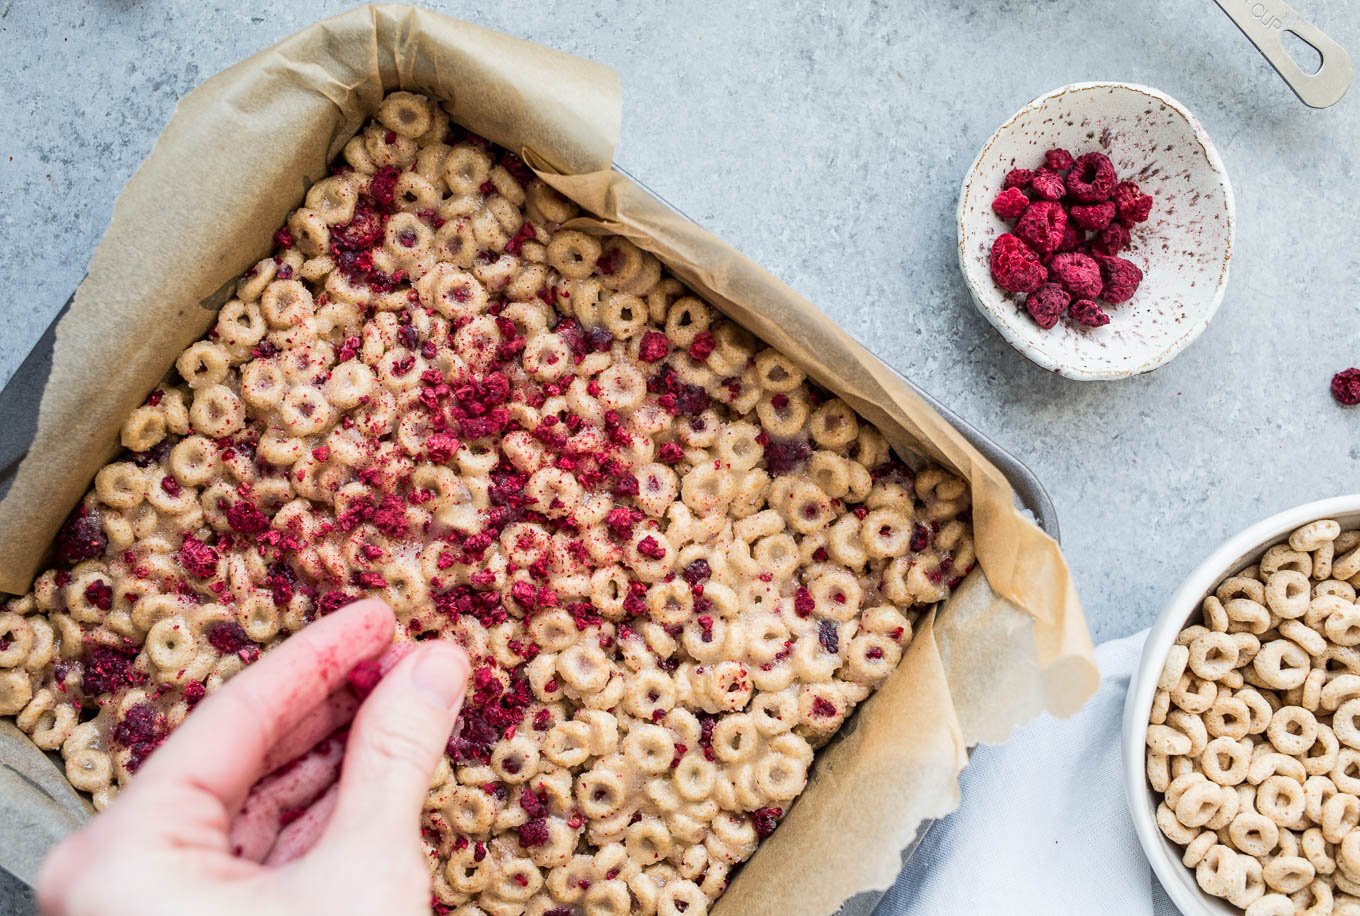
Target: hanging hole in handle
[1307,57]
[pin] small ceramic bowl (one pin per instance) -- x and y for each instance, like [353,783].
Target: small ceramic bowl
[1182,610]
[1183,249]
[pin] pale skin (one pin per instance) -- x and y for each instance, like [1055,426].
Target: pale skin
[197,831]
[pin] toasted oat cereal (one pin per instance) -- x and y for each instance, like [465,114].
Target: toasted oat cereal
[676,563]
[1254,748]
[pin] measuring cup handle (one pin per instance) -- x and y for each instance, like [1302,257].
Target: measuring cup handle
[1264,22]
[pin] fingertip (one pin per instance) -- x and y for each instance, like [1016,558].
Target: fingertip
[440,669]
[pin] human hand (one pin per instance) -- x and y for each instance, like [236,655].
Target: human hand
[198,831]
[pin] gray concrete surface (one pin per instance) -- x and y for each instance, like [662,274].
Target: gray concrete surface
[827,140]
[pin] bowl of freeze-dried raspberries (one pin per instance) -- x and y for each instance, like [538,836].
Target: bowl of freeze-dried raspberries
[1096,228]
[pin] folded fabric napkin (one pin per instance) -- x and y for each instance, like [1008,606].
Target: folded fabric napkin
[1043,827]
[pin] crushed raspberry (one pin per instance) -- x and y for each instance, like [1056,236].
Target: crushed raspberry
[828,634]
[1134,206]
[363,677]
[764,820]
[533,833]
[243,516]
[803,602]
[1042,226]
[81,538]
[1010,203]
[1094,217]
[382,187]
[228,637]
[107,670]
[1059,160]
[1015,267]
[1092,178]
[171,485]
[141,731]
[670,453]
[1121,278]
[100,594]
[1047,304]
[784,456]
[697,572]
[1077,273]
[1018,178]
[1346,387]
[651,548]
[1089,313]
[702,345]
[654,347]
[823,707]
[283,238]
[198,558]
[194,692]
[1048,185]
[920,538]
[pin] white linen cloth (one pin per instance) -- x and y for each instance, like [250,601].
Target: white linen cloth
[1043,827]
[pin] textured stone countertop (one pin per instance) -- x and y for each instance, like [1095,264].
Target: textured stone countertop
[827,141]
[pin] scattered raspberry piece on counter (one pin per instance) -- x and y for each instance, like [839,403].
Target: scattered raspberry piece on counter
[1072,217]
[1346,387]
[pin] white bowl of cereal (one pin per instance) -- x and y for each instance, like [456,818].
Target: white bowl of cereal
[1089,282]
[1209,751]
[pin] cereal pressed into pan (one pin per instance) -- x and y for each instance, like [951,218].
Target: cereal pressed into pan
[1254,735]
[676,563]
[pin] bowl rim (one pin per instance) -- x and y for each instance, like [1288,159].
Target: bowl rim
[1195,328]
[1162,855]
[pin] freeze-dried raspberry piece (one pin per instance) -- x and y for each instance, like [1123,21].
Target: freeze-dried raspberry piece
[1010,203]
[1072,238]
[1047,304]
[1042,226]
[1078,273]
[1092,178]
[1346,387]
[1059,160]
[1048,184]
[1111,240]
[1121,279]
[1093,217]
[1018,178]
[1089,313]
[1134,206]
[1015,267]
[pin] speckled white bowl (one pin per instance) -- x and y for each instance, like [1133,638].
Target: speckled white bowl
[1236,554]
[1183,249]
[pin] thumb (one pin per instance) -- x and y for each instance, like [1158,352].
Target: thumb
[395,742]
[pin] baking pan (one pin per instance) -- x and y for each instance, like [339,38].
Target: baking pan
[21,396]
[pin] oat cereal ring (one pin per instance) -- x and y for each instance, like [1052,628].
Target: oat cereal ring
[1311,692]
[1314,534]
[1288,873]
[1271,905]
[1176,661]
[1340,816]
[1192,726]
[1281,799]
[1346,723]
[1213,655]
[1226,761]
[1161,705]
[1346,773]
[1282,664]
[574,254]
[1228,717]
[1221,872]
[1202,802]
[1194,695]
[1342,625]
[1293,729]
[1288,593]
[1321,757]
[1254,833]
[1215,615]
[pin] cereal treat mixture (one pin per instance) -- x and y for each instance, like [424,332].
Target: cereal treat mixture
[676,563]
[1254,741]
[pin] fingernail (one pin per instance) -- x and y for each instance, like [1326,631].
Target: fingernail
[441,671]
